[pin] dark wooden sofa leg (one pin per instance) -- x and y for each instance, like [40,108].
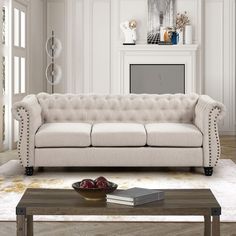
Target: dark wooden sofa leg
[29,170]
[208,171]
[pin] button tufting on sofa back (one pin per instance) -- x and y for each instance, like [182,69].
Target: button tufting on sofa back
[141,108]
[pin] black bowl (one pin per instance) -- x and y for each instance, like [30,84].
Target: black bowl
[95,194]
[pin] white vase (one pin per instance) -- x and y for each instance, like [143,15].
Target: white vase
[181,37]
[188,38]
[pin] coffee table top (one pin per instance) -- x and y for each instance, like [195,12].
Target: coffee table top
[69,202]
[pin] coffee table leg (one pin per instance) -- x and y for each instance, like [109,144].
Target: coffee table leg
[207,225]
[216,226]
[30,231]
[20,224]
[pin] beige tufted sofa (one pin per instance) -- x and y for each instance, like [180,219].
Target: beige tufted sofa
[118,130]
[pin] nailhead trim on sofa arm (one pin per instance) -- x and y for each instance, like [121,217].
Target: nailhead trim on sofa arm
[207,114]
[20,110]
[28,113]
[213,118]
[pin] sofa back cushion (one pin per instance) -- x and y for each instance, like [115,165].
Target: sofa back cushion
[142,108]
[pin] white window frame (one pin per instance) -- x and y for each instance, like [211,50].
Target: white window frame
[18,51]
[10,51]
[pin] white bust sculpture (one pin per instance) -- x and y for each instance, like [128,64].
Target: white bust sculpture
[129,30]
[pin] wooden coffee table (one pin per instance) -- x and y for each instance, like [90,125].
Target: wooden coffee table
[198,202]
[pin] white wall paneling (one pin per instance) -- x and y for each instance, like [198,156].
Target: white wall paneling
[75,47]
[214,49]
[92,60]
[229,125]
[37,81]
[57,21]
[195,9]
[76,81]
[100,47]
[88,46]
[220,57]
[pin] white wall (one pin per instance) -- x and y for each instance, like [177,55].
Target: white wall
[57,21]
[36,44]
[89,31]
[93,59]
[220,57]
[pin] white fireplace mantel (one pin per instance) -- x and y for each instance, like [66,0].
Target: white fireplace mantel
[156,47]
[158,54]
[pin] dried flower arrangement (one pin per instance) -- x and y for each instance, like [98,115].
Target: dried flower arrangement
[181,21]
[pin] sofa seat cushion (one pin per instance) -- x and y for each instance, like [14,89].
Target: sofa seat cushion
[173,135]
[63,135]
[118,134]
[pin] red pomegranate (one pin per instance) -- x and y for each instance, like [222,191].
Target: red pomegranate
[87,183]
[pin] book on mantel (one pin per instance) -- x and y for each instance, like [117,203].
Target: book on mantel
[135,196]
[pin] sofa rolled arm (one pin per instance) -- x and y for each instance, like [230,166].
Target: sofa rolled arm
[208,113]
[28,113]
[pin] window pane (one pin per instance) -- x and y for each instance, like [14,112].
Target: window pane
[22,33]
[3,75]
[16,27]
[3,122]
[16,74]
[3,25]
[22,77]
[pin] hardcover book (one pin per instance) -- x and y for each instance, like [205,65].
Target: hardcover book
[135,196]
[133,203]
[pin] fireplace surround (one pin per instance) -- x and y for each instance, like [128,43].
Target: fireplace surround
[144,54]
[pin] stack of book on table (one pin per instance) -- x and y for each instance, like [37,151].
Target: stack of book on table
[135,196]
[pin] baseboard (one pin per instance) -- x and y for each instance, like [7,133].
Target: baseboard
[227,133]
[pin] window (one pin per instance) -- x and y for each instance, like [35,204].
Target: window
[19,49]
[16,28]
[22,75]
[18,60]
[14,68]
[3,25]
[19,75]
[22,29]
[16,75]
[19,28]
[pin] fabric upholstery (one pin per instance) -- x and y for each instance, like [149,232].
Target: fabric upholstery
[173,135]
[28,113]
[63,135]
[207,113]
[142,108]
[200,110]
[119,156]
[118,134]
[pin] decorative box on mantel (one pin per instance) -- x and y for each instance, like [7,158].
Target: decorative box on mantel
[148,54]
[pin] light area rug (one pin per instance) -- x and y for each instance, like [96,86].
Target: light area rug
[222,184]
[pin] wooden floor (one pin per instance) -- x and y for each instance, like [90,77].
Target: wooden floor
[115,229]
[136,229]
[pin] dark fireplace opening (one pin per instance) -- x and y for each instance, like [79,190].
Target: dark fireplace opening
[157,78]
